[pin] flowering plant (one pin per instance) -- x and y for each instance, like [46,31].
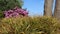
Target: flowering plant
[15,12]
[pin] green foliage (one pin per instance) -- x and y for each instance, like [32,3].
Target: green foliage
[1,14]
[29,25]
[10,4]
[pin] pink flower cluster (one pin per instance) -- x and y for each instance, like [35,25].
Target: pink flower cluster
[15,12]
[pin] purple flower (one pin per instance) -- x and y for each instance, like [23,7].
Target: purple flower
[15,12]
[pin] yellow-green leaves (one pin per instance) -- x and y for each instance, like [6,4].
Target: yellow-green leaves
[29,25]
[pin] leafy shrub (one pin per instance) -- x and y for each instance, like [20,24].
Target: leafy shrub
[1,14]
[15,12]
[29,25]
[10,4]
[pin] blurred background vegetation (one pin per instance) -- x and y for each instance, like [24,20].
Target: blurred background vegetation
[9,4]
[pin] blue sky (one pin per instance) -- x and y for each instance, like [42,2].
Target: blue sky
[35,7]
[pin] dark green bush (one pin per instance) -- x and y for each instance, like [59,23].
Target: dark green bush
[29,25]
[1,14]
[10,4]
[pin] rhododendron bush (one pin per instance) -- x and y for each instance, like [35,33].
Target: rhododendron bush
[15,12]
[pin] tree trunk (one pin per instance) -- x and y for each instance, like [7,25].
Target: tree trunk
[48,7]
[57,9]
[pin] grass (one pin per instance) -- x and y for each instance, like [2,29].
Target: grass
[29,25]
